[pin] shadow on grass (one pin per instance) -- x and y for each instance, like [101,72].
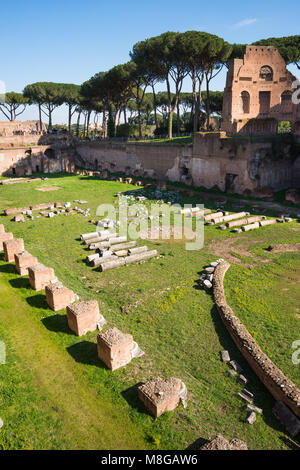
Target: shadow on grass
[8,268]
[131,396]
[37,301]
[197,444]
[263,399]
[58,324]
[20,283]
[85,352]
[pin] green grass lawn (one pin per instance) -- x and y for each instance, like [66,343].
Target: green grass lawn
[68,399]
[173,140]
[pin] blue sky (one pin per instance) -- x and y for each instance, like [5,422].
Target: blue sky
[69,41]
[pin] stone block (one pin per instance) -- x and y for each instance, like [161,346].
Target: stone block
[58,296]
[40,276]
[2,229]
[23,261]
[83,316]
[115,348]
[160,395]
[11,247]
[251,417]
[4,237]
[19,218]
[225,356]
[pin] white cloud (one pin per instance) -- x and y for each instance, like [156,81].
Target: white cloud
[245,22]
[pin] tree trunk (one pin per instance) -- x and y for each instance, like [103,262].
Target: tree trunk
[195,107]
[50,118]
[140,121]
[154,105]
[70,117]
[40,118]
[104,124]
[178,119]
[207,104]
[125,115]
[88,123]
[78,123]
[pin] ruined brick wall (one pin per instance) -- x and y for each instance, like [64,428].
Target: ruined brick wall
[24,161]
[271,376]
[257,86]
[13,128]
[234,165]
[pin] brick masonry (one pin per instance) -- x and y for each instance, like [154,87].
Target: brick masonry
[40,276]
[114,348]
[5,237]
[23,261]
[160,395]
[11,247]
[83,316]
[58,296]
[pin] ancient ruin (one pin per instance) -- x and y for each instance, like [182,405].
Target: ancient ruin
[160,395]
[12,247]
[24,260]
[58,296]
[258,93]
[115,348]
[83,316]
[40,276]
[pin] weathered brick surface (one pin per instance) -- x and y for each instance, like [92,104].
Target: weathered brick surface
[271,376]
[5,237]
[11,247]
[114,348]
[160,395]
[40,276]
[251,94]
[83,316]
[23,261]
[58,296]
[2,229]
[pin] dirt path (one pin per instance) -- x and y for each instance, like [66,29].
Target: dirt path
[227,247]
[89,421]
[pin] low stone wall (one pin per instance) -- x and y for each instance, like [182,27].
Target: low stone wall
[273,378]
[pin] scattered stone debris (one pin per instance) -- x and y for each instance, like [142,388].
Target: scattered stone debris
[254,408]
[1,423]
[220,443]
[19,218]
[242,379]
[235,365]
[245,397]
[251,417]
[225,356]
[208,274]
[232,373]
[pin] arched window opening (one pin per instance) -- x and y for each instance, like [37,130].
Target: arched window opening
[266,73]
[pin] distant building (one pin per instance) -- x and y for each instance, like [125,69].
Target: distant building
[258,93]
[9,128]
